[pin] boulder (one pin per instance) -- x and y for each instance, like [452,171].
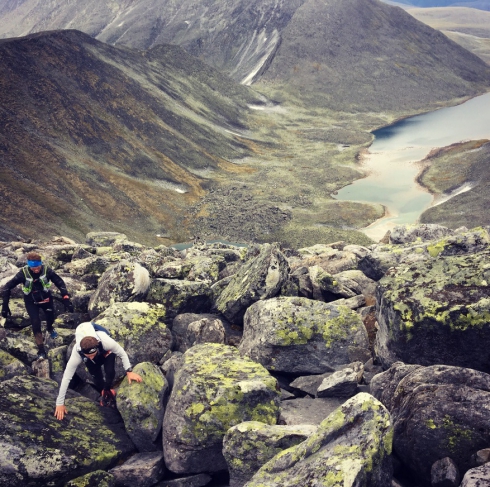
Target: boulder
[19,345]
[477,477]
[439,412]
[37,449]
[260,278]
[140,329]
[104,239]
[10,366]
[123,282]
[99,478]
[185,336]
[342,383]
[302,336]
[91,265]
[199,480]
[141,406]
[383,386]
[178,296]
[214,389]
[247,446]
[436,311]
[352,447]
[142,469]
[444,473]
[403,234]
[326,257]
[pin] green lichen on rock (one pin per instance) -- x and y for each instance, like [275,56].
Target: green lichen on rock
[141,405]
[440,300]
[98,478]
[251,444]
[139,328]
[322,334]
[215,389]
[352,446]
[46,448]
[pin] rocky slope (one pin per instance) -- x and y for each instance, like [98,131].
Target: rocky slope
[265,349]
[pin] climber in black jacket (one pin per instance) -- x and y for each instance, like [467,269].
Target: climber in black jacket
[36,280]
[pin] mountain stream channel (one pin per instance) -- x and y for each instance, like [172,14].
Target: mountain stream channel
[393,161]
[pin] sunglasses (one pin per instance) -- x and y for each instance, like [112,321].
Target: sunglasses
[88,351]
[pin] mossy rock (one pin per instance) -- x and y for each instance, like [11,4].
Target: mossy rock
[141,406]
[249,445]
[436,311]
[261,277]
[98,478]
[214,389]
[10,366]
[351,447]
[303,336]
[180,296]
[104,239]
[38,449]
[140,329]
[91,265]
[438,411]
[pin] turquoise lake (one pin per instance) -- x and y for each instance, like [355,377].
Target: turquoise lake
[392,162]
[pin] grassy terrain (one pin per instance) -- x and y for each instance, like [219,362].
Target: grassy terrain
[459,167]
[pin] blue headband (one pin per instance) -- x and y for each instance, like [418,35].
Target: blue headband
[34,263]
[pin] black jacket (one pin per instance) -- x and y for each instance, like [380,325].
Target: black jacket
[20,278]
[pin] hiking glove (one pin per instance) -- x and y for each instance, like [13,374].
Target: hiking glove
[6,310]
[68,304]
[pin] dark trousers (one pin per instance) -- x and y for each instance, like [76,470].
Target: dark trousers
[95,369]
[33,310]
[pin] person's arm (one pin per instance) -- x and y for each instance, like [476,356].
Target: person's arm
[7,288]
[110,344]
[58,282]
[71,368]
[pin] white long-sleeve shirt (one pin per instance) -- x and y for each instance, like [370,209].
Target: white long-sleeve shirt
[108,343]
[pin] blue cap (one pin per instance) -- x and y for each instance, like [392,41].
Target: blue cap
[34,263]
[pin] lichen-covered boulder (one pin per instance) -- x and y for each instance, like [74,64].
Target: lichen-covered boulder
[261,277]
[123,282]
[140,329]
[440,411]
[19,317]
[99,478]
[330,259]
[10,366]
[299,335]
[249,445]
[436,312]
[104,239]
[210,329]
[180,296]
[351,447]
[384,384]
[403,234]
[38,449]
[91,265]
[141,406]
[203,268]
[20,345]
[214,389]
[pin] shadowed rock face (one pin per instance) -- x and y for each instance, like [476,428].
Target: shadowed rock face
[92,133]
